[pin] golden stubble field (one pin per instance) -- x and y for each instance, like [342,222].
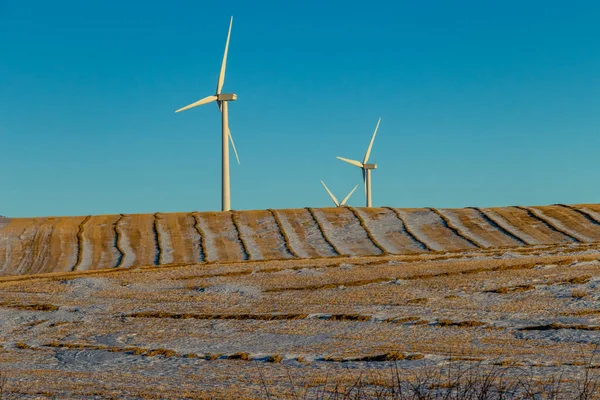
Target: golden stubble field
[248,328]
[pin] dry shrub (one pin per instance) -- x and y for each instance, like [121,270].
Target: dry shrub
[275,358]
[417,301]
[160,352]
[239,356]
[460,324]
[456,381]
[514,289]
[579,280]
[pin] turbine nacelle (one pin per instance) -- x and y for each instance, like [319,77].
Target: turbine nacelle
[226,97]
[369,166]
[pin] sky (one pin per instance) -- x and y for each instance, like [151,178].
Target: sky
[482,103]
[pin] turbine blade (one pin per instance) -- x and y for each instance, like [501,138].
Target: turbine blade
[206,100]
[353,162]
[233,144]
[364,173]
[224,63]
[368,153]
[331,194]
[220,105]
[347,197]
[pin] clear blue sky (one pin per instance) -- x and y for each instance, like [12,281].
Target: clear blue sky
[483,103]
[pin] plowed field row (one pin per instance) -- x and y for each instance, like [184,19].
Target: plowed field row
[62,244]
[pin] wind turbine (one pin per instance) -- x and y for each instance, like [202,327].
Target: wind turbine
[222,101]
[338,204]
[366,168]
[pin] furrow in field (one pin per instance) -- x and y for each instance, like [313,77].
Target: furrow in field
[345,231]
[138,241]
[118,245]
[585,214]
[98,243]
[591,210]
[471,223]
[283,233]
[16,240]
[505,226]
[431,229]
[304,234]
[220,237]
[418,241]
[558,235]
[456,230]
[389,231]
[157,240]
[363,224]
[5,249]
[242,239]
[549,223]
[180,241]
[201,235]
[524,226]
[262,236]
[80,247]
[571,222]
[53,246]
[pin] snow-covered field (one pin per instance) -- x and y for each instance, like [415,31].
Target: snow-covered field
[219,329]
[228,304]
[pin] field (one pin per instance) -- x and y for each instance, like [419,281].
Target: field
[259,304]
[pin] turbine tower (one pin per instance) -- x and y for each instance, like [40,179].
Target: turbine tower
[222,101]
[336,202]
[366,168]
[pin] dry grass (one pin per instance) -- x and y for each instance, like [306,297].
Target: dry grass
[514,289]
[557,325]
[460,324]
[30,307]
[579,293]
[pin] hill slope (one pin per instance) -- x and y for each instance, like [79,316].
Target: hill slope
[62,244]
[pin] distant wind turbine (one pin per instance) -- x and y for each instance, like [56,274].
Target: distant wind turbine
[222,101]
[366,168]
[343,202]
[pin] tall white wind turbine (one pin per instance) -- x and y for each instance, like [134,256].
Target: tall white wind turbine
[366,168]
[335,201]
[222,101]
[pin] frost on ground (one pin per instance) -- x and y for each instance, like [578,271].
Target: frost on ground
[346,233]
[389,231]
[415,221]
[208,329]
[456,222]
[303,234]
